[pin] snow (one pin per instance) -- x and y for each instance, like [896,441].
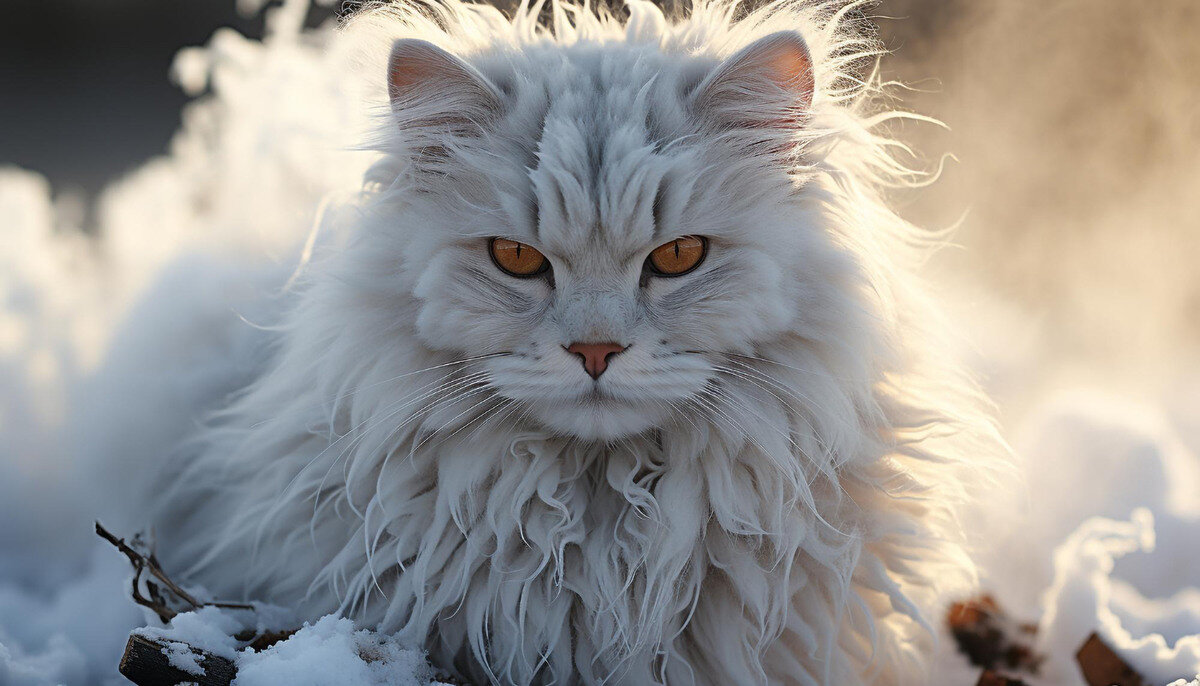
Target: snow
[332,651]
[183,657]
[1087,597]
[209,629]
[59,662]
[69,629]
[1104,539]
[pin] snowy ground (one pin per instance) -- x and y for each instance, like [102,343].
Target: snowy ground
[1106,538]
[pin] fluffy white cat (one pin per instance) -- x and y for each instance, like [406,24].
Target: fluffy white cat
[624,375]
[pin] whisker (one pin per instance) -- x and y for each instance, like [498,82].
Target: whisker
[454,419]
[802,397]
[510,407]
[757,384]
[459,386]
[398,377]
[675,409]
[775,362]
[457,390]
[795,393]
[712,405]
[731,401]
[392,409]
[398,403]
[808,482]
[485,415]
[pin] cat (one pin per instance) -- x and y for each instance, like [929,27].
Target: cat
[625,374]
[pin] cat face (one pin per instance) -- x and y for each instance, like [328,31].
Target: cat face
[612,229]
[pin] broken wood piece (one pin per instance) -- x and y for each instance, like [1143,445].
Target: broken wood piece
[990,678]
[990,638]
[1101,666]
[146,663]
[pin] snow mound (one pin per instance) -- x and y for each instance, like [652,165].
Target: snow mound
[330,651]
[1086,596]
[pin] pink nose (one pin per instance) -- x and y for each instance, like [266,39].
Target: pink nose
[595,355]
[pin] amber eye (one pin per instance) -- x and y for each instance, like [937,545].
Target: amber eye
[678,257]
[518,259]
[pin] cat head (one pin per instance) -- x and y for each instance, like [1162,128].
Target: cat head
[608,222]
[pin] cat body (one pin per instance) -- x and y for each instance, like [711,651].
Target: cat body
[759,486]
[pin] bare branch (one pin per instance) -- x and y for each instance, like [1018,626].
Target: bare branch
[153,598]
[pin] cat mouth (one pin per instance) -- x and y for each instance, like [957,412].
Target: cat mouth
[597,415]
[599,397]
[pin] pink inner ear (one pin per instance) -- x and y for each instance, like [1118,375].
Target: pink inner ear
[416,65]
[430,87]
[790,66]
[747,89]
[404,75]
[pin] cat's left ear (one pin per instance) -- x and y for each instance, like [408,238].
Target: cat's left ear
[430,87]
[768,84]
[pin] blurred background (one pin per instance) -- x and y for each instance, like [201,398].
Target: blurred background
[86,93]
[1070,168]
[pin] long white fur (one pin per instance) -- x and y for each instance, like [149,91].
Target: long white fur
[768,492]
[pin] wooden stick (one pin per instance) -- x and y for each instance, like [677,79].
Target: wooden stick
[145,663]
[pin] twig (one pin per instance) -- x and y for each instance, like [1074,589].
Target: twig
[149,563]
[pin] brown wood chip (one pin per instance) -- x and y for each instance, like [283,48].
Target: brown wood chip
[990,638]
[1103,667]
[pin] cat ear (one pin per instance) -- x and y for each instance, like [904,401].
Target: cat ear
[429,87]
[768,84]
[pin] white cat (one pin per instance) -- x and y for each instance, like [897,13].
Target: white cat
[624,376]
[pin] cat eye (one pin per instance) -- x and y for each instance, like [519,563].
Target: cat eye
[678,257]
[517,259]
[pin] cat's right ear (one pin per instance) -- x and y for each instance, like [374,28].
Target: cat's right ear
[768,85]
[429,87]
